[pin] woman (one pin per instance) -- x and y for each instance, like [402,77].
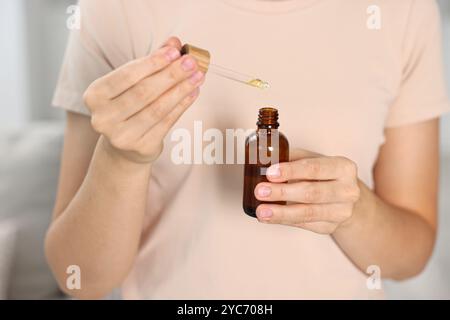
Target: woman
[366,100]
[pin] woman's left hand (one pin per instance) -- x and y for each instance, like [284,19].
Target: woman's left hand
[321,192]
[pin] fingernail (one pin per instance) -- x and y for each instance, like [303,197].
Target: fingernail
[274,171]
[173,54]
[265,213]
[197,77]
[264,191]
[188,64]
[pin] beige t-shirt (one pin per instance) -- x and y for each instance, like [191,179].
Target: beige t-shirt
[337,84]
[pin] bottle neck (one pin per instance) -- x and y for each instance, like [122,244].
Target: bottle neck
[268,118]
[268,127]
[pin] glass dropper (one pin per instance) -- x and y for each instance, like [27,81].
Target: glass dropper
[203,58]
[239,77]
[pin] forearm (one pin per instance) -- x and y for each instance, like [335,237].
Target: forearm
[100,229]
[399,241]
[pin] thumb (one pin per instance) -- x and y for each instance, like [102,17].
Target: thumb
[297,154]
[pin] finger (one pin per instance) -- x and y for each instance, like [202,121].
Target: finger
[150,89]
[173,42]
[125,77]
[306,192]
[297,154]
[164,126]
[159,109]
[160,130]
[319,227]
[294,214]
[321,168]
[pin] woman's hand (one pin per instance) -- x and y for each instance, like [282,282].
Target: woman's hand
[135,106]
[321,192]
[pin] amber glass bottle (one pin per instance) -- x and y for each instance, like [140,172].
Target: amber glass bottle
[263,148]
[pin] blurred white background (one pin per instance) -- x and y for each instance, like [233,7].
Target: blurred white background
[34,34]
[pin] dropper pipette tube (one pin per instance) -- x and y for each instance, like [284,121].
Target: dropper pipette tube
[239,77]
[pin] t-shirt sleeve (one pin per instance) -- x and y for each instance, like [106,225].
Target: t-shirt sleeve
[93,50]
[422,94]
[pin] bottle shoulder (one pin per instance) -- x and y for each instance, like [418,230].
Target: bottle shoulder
[255,134]
[251,137]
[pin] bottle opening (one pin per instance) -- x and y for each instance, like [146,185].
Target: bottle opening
[268,118]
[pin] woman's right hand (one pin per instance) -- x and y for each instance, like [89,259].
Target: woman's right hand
[135,106]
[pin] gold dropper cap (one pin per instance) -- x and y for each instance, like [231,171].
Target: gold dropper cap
[202,56]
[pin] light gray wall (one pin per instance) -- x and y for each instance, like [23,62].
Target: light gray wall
[445,127]
[13,55]
[47,37]
[34,36]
